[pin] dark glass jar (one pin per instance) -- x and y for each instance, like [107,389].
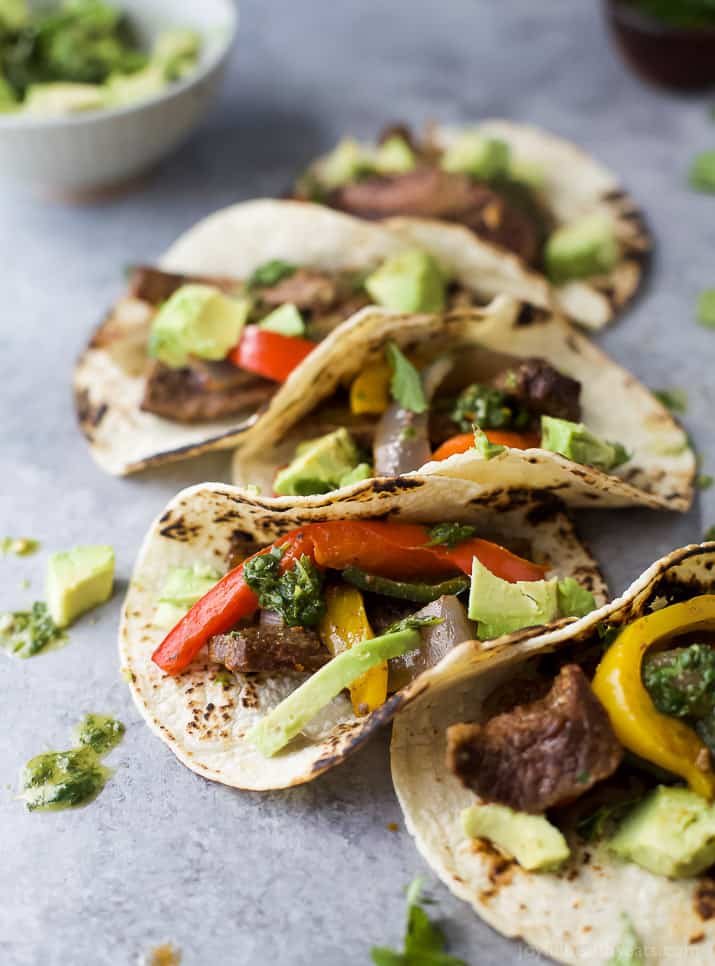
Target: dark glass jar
[673,56]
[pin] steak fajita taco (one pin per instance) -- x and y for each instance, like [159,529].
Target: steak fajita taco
[264,646]
[566,787]
[506,397]
[537,201]
[203,345]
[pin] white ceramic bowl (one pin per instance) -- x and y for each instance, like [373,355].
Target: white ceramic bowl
[92,150]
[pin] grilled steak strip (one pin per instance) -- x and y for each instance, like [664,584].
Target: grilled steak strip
[269,648]
[429,192]
[538,755]
[204,392]
[542,389]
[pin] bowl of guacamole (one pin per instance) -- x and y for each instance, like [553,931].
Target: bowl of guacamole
[92,92]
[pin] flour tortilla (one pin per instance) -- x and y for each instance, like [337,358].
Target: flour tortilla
[577,915]
[615,405]
[203,722]
[110,375]
[575,185]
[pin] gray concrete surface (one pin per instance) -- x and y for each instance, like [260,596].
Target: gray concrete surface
[311,876]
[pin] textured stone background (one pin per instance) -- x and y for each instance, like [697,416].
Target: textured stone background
[311,876]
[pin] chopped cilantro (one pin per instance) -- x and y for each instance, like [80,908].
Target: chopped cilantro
[450,534]
[676,400]
[594,825]
[405,385]
[412,623]
[704,481]
[271,273]
[19,546]
[482,445]
[583,777]
[295,594]
[224,678]
[26,633]
[706,308]
[702,172]
[424,940]
[489,408]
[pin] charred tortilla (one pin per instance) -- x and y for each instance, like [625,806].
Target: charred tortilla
[202,717]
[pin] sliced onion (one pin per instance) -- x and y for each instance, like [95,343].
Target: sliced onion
[402,437]
[437,640]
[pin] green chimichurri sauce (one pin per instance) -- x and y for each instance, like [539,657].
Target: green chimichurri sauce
[25,633]
[66,779]
[19,546]
[99,732]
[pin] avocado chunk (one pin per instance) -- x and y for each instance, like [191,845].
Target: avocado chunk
[363,471]
[288,718]
[63,98]
[346,162]
[137,86]
[176,52]
[319,466]
[579,444]
[410,282]
[671,833]
[581,248]
[500,607]
[395,156]
[286,320]
[532,840]
[181,589]
[197,320]
[481,157]
[78,580]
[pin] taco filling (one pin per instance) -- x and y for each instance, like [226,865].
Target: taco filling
[362,605]
[474,181]
[222,347]
[400,413]
[608,743]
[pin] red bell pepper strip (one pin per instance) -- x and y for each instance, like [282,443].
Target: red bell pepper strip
[269,354]
[381,547]
[501,437]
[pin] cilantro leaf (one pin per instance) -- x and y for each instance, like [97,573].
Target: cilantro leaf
[26,633]
[704,481]
[675,400]
[706,308]
[702,172]
[294,594]
[270,273]
[424,939]
[449,534]
[405,385]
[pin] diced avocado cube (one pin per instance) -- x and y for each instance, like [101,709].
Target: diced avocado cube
[346,162]
[481,157]
[412,281]
[582,248]
[532,840]
[363,471]
[64,98]
[574,600]
[319,466]
[395,156]
[671,833]
[501,607]
[286,320]
[529,173]
[177,51]
[288,718]
[181,589]
[78,580]
[197,320]
[579,444]
[137,86]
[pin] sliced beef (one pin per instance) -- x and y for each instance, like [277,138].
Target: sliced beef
[204,392]
[155,286]
[272,647]
[538,755]
[308,290]
[429,192]
[542,389]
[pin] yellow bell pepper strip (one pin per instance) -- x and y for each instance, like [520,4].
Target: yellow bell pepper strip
[639,726]
[345,623]
[370,390]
